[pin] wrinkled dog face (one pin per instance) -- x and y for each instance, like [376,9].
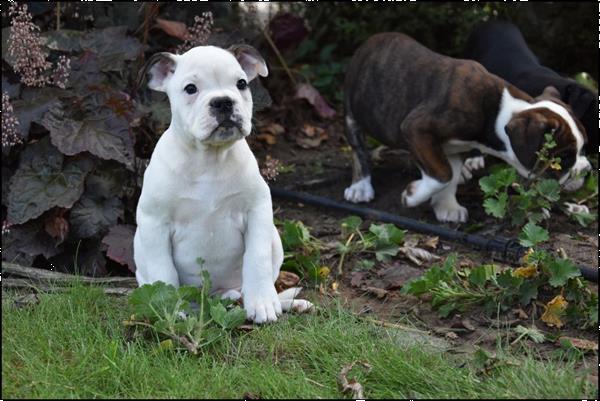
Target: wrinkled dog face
[527,130]
[208,90]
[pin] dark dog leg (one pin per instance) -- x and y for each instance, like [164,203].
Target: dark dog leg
[361,189]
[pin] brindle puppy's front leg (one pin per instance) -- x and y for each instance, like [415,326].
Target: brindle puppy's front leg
[436,171]
[361,189]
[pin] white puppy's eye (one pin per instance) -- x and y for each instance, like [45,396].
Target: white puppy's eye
[190,89]
[242,84]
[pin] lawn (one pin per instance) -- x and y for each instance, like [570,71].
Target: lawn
[73,345]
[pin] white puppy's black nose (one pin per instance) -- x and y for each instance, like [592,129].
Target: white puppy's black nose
[221,105]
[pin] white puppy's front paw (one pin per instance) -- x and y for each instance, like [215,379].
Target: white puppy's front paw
[262,305]
[360,191]
[450,212]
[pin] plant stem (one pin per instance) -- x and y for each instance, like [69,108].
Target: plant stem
[58,16]
[339,269]
[279,56]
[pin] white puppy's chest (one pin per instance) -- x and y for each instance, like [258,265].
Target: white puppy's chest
[212,231]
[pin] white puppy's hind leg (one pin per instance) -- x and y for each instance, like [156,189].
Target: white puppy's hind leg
[445,205]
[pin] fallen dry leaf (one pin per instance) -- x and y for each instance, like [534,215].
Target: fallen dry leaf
[451,335]
[357,279]
[173,28]
[555,309]
[57,227]
[273,129]
[466,323]
[521,314]
[312,136]
[312,95]
[418,255]
[378,292]
[324,272]
[286,280]
[431,242]
[525,271]
[580,343]
[352,386]
[267,138]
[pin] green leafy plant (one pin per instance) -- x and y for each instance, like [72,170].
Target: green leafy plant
[458,290]
[531,200]
[185,317]
[302,251]
[381,240]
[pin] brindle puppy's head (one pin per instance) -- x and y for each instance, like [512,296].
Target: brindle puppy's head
[527,129]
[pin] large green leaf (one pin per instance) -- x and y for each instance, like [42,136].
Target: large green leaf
[532,234]
[42,182]
[151,300]
[561,270]
[104,135]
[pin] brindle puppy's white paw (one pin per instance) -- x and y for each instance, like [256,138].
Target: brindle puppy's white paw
[572,208]
[360,191]
[262,305]
[450,212]
[471,164]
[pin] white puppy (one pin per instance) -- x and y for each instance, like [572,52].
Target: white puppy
[203,195]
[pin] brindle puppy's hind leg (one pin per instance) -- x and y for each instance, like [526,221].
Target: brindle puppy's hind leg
[361,189]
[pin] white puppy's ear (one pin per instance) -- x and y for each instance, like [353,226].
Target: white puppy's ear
[159,68]
[250,59]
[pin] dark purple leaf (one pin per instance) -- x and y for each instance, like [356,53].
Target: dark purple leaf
[91,216]
[308,92]
[113,46]
[120,245]
[287,30]
[43,181]
[28,240]
[34,104]
[107,180]
[104,135]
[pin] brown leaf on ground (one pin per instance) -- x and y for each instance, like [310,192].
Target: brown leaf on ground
[57,226]
[173,28]
[312,136]
[286,280]
[352,386]
[357,279]
[378,292]
[580,343]
[252,396]
[555,309]
[466,323]
[431,243]
[418,255]
[451,335]
[272,129]
[520,313]
[312,95]
[267,138]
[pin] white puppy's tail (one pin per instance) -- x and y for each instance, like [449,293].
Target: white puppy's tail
[289,301]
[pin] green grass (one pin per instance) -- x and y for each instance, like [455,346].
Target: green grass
[73,345]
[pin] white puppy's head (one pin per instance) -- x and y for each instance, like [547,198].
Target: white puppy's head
[208,90]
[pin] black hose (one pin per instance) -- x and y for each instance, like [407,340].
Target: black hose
[510,251]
